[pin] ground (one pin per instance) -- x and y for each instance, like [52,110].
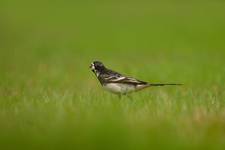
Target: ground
[49,98]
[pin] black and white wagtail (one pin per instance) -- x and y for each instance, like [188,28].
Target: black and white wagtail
[118,83]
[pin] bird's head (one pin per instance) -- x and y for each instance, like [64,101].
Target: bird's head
[97,67]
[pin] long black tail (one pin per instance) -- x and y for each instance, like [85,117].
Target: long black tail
[161,84]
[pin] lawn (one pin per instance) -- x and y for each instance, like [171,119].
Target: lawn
[49,98]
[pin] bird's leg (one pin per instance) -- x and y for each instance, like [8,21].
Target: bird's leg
[129,96]
[120,96]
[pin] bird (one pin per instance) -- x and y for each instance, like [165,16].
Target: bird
[117,83]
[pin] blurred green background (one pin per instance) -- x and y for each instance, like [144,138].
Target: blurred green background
[50,99]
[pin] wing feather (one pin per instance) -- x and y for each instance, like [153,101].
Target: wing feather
[114,77]
[126,80]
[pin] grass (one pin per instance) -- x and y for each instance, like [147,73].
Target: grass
[49,99]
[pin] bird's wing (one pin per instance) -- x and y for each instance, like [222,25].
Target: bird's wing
[114,77]
[129,80]
[109,75]
[125,80]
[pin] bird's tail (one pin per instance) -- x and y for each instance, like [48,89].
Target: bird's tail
[162,84]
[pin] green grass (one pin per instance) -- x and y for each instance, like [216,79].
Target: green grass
[49,99]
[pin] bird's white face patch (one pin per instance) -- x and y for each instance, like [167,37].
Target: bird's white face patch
[94,70]
[92,66]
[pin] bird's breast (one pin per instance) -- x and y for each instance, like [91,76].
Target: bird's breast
[119,88]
